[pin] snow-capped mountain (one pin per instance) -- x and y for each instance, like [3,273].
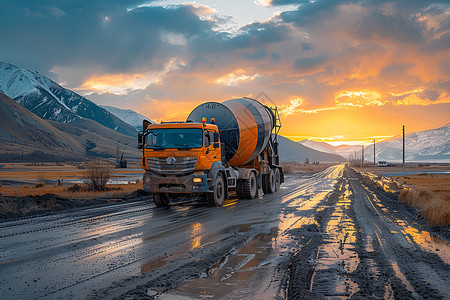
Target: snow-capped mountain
[423,146]
[51,101]
[27,137]
[128,116]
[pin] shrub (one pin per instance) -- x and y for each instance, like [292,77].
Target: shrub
[97,174]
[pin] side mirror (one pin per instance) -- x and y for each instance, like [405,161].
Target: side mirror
[145,124]
[216,145]
[140,140]
[216,138]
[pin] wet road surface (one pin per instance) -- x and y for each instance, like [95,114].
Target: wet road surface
[322,235]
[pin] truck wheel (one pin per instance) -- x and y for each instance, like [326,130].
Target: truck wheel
[270,182]
[277,179]
[161,199]
[216,198]
[250,186]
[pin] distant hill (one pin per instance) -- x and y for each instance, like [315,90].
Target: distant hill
[27,137]
[23,133]
[342,150]
[128,116]
[319,146]
[293,151]
[50,101]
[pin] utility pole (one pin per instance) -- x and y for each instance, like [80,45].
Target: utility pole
[403,150]
[362,156]
[374,163]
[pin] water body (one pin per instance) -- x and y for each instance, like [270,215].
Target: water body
[389,174]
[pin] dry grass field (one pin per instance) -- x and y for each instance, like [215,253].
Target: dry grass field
[430,193]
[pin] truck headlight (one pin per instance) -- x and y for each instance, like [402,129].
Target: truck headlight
[197,180]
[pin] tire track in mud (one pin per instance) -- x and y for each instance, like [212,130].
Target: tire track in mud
[404,269]
[360,250]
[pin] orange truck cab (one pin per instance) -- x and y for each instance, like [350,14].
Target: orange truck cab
[196,157]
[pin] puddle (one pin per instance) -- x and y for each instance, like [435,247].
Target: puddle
[229,203]
[234,270]
[426,240]
[283,241]
[196,234]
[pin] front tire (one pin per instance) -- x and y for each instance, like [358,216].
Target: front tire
[161,199]
[216,198]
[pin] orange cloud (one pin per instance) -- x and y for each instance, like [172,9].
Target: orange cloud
[115,83]
[233,79]
[358,99]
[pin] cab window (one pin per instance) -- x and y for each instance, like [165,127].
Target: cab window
[207,139]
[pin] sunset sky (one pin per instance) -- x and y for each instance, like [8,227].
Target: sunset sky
[339,71]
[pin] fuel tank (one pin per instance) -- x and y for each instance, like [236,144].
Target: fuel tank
[245,126]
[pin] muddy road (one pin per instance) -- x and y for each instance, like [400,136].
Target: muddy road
[321,236]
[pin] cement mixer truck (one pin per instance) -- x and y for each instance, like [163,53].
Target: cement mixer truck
[222,151]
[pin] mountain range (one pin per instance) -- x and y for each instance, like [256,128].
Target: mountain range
[423,146]
[50,101]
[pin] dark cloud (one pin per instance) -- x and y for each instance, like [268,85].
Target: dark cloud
[102,33]
[288,2]
[314,51]
[275,56]
[312,12]
[306,46]
[397,28]
[308,64]
[429,94]
[440,44]
[260,54]
[396,73]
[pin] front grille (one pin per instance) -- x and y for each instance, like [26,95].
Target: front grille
[182,165]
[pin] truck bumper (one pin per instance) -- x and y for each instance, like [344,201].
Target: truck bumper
[176,185]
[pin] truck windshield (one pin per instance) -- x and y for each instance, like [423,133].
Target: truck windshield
[174,138]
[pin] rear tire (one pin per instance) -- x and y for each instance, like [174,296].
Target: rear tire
[270,182]
[250,186]
[277,179]
[216,198]
[161,199]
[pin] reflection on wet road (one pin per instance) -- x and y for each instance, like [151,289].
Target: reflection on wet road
[239,251]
